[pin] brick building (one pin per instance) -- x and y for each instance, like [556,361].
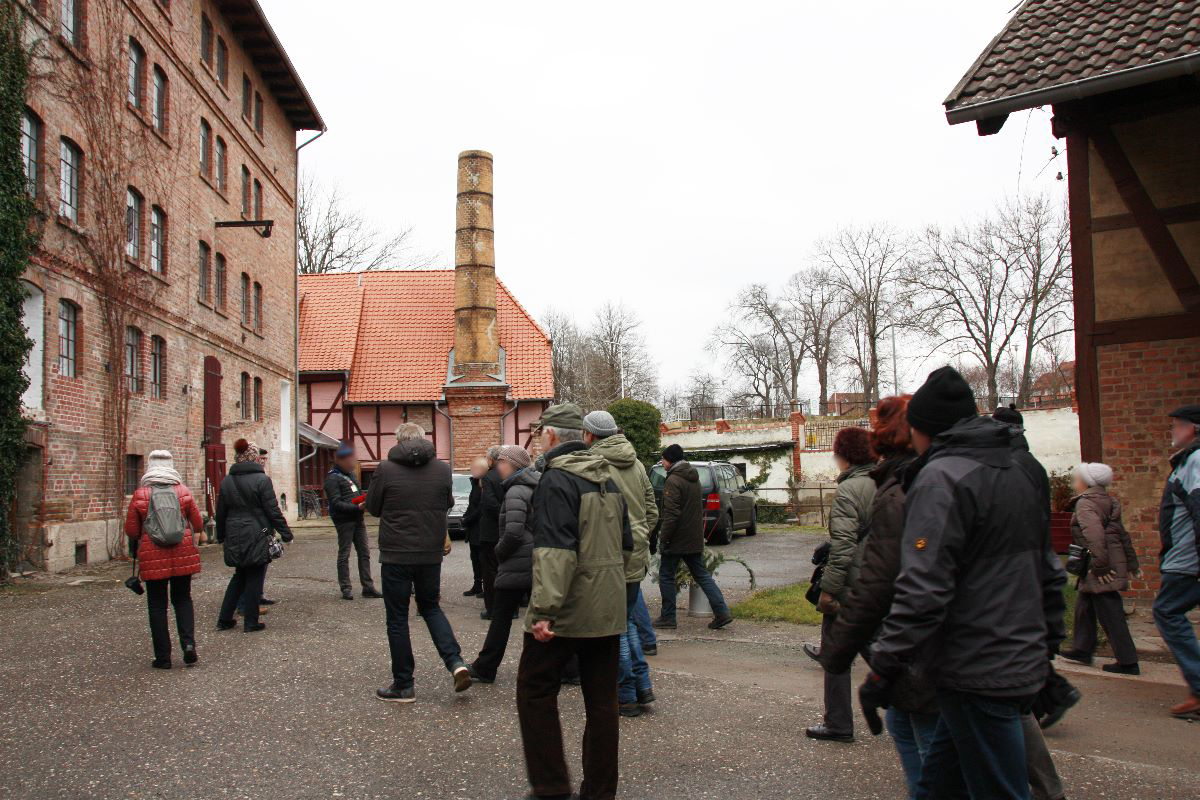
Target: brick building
[451,350]
[1123,82]
[212,356]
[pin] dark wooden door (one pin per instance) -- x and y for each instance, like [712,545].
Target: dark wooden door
[214,450]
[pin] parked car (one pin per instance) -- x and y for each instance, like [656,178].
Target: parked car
[730,504]
[462,494]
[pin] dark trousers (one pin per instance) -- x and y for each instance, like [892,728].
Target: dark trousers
[400,582]
[476,566]
[489,564]
[505,603]
[353,533]
[185,619]
[839,708]
[978,750]
[538,681]
[667,567]
[1105,607]
[245,585]
[1176,598]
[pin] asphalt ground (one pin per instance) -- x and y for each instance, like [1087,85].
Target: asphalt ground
[290,712]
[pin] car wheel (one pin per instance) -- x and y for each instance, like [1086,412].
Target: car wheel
[752,528]
[724,533]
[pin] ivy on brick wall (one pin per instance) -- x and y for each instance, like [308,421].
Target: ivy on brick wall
[16,243]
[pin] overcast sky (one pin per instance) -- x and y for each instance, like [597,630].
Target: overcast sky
[659,153]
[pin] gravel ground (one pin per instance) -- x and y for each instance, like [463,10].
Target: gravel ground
[290,712]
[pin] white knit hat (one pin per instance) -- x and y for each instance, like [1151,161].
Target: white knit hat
[160,458]
[1094,473]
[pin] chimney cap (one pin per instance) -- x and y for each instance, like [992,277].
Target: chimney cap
[475,154]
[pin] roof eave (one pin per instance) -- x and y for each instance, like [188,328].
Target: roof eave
[1076,90]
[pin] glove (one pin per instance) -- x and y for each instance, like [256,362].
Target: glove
[874,694]
[286,536]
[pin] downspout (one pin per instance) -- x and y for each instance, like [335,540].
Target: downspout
[296,306]
[505,416]
[450,422]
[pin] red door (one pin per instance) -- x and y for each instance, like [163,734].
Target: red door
[214,451]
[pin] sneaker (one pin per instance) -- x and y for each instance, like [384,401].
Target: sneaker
[223,625]
[630,710]
[662,623]
[720,622]
[645,697]
[391,694]
[821,733]
[371,594]
[1078,656]
[462,678]
[477,678]
[1189,709]
[161,663]
[652,650]
[262,626]
[189,655]
[1123,669]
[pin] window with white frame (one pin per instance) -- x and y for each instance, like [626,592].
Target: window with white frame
[206,139]
[68,338]
[204,281]
[70,176]
[71,22]
[158,367]
[31,147]
[158,102]
[133,224]
[158,240]
[137,74]
[220,166]
[133,359]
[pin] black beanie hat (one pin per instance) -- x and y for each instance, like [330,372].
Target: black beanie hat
[1008,414]
[673,453]
[944,399]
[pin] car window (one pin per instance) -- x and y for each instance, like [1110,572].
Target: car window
[740,481]
[706,479]
[658,476]
[462,484]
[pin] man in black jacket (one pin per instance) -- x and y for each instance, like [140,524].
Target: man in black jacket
[979,596]
[411,493]
[470,523]
[491,495]
[346,510]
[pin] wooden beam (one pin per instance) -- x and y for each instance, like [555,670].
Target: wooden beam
[1087,375]
[1173,215]
[1146,329]
[1166,250]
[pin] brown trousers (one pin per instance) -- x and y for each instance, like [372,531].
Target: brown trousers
[539,679]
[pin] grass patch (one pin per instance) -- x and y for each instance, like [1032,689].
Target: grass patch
[781,604]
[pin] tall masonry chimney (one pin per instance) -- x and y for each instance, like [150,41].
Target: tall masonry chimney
[476,345]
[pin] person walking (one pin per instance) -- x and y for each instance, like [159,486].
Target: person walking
[491,493]
[1179,560]
[849,519]
[514,552]
[601,434]
[1096,527]
[581,543]
[346,511]
[913,715]
[681,538]
[978,597]
[248,517]
[410,493]
[470,523]
[162,523]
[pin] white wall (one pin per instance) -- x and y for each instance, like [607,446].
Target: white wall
[1053,437]
[774,488]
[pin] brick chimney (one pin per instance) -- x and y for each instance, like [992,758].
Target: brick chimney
[476,344]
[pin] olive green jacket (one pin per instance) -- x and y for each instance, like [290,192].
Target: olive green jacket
[581,542]
[630,477]
[849,519]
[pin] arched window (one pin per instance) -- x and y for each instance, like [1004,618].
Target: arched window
[205,148]
[206,40]
[137,74]
[158,241]
[31,150]
[204,282]
[70,179]
[32,317]
[258,200]
[133,359]
[71,22]
[133,224]
[245,399]
[245,299]
[220,177]
[222,62]
[68,338]
[158,100]
[258,400]
[158,367]
[258,307]
[245,191]
[219,281]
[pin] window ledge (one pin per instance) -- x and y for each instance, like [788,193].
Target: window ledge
[75,52]
[71,225]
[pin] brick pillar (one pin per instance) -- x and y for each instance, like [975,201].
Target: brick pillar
[797,419]
[476,412]
[476,343]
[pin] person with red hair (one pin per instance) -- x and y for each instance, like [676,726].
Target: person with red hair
[848,520]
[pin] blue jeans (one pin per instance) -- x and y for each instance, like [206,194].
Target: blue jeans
[695,564]
[641,618]
[911,732]
[978,750]
[635,672]
[1178,595]
[400,582]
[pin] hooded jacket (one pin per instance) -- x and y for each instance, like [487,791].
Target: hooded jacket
[1096,525]
[514,551]
[581,540]
[979,594]
[245,505]
[682,530]
[411,493]
[156,562]
[1179,514]
[630,476]
[848,520]
[340,490]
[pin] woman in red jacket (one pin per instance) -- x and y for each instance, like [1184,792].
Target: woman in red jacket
[166,566]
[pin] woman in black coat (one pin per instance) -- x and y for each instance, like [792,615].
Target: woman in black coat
[470,523]
[247,515]
[514,554]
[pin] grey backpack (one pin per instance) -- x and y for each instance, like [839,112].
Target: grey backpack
[164,518]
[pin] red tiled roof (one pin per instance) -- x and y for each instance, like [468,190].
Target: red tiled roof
[1054,50]
[393,331]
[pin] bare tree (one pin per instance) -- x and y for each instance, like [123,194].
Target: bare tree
[600,364]
[779,333]
[753,359]
[820,306]
[332,237]
[865,264]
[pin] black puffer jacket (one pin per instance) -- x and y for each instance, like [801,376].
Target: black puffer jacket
[470,519]
[340,489]
[979,593]
[243,511]
[491,493]
[514,551]
[868,599]
[681,531]
[411,493]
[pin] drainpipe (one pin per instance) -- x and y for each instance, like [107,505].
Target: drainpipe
[449,421]
[505,416]
[296,305]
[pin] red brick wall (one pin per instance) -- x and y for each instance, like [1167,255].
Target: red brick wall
[1139,384]
[476,413]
